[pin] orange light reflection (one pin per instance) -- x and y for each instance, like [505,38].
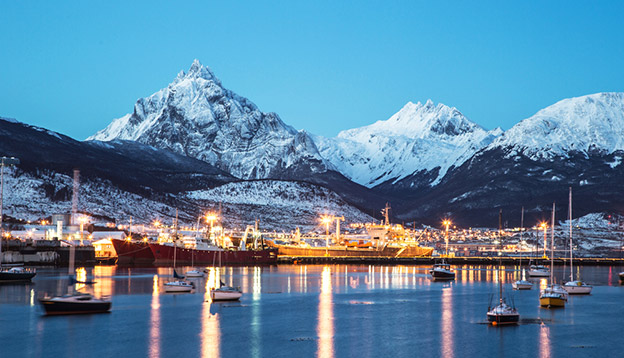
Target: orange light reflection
[325,330]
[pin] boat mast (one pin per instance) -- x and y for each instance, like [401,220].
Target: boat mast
[500,255]
[552,242]
[175,239]
[570,219]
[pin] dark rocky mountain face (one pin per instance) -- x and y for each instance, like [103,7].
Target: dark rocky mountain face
[473,193]
[131,166]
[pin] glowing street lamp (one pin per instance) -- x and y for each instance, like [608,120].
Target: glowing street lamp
[446,224]
[211,218]
[544,226]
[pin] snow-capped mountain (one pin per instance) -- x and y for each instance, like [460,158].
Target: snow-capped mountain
[424,139]
[120,179]
[197,117]
[586,124]
[576,143]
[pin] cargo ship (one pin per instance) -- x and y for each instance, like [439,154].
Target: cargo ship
[383,241]
[132,252]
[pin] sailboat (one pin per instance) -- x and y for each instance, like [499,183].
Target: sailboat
[522,284]
[502,313]
[179,285]
[553,295]
[75,302]
[574,287]
[539,270]
[441,271]
[194,272]
[225,292]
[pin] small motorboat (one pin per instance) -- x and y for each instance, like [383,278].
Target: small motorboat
[522,285]
[226,293]
[16,274]
[442,272]
[539,271]
[76,303]
[178,286]
[194,273]
[503,314]
[577,288]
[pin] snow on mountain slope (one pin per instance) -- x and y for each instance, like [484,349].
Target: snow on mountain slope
[420,137]
[281,204]
[592,123]
[197,117]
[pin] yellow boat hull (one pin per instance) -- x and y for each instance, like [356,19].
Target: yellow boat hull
[551,302]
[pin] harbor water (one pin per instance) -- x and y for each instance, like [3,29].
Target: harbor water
[312,311]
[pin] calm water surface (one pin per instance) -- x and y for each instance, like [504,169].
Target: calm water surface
[312,311]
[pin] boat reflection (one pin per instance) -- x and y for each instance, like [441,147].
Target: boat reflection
[325,329]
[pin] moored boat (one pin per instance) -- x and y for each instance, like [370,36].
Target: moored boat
[17,274]
[503,314]
[551,298]
[574,287]
[522,285]
[77,303]
[178,286]
[163,254]
[539,271]
[226,293]
[442,272]
[131,252]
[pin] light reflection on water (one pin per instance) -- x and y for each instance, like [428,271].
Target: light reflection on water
[325,330]
[308,310]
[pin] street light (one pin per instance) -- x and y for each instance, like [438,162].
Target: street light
[4,161]
[446,224]
[544,226]
[211,218]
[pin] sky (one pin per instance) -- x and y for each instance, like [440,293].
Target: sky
[323,66]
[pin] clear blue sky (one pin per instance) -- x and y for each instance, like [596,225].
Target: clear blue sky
[323,66]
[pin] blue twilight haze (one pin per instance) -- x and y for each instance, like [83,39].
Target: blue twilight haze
[323,66]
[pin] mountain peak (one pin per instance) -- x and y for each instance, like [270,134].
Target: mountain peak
[580,124]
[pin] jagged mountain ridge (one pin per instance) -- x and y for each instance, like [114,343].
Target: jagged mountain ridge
[420,139]
[120,179]
[573,143]
[197,117]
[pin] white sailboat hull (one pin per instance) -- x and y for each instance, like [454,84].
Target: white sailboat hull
[178,286]
[225,295]
[577,288]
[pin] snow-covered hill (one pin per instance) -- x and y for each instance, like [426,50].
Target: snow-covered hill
[197,117]
[586,124]
[419,138]
[280,204]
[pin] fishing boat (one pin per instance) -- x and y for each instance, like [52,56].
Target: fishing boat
[132,252]
[553,295]
[502,313]
[574,287]
[75,302]
[522,284]
[202,252]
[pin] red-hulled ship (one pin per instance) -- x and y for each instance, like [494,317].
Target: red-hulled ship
[132,252]
[210,255]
